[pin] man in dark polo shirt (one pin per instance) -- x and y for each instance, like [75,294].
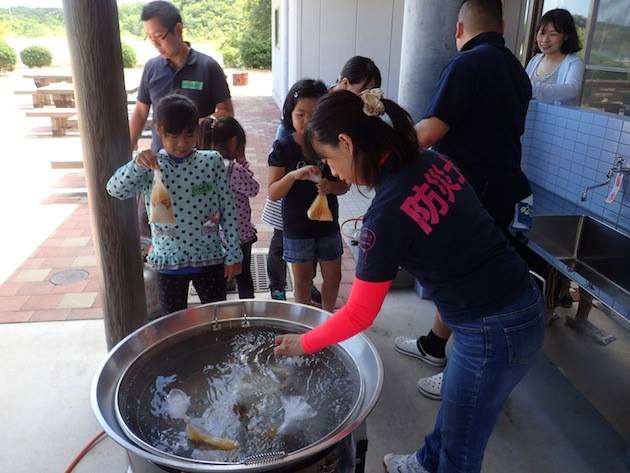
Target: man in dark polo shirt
[476,118]
[178,69]
[477,115]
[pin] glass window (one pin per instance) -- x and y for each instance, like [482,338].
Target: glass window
[606,90]
[607,78]
[611,35]
[276,24]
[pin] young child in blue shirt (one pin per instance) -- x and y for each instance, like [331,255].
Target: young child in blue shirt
[191,248]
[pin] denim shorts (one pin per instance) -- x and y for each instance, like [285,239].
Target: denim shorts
[305,250]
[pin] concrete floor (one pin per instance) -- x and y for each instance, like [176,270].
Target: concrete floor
[548,425]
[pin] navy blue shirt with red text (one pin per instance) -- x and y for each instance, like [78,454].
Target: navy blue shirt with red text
[427,219]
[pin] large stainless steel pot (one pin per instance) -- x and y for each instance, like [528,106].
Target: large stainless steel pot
[213,316]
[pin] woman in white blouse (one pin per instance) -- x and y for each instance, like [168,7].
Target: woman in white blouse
[556,71]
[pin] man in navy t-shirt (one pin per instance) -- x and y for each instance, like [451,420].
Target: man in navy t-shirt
[477,115]
[178,69]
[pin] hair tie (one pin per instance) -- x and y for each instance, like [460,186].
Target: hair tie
[372,102]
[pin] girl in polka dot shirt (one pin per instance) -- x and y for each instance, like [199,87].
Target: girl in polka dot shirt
[191,249]
[226,135]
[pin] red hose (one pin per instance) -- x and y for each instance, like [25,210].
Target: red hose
[96,439]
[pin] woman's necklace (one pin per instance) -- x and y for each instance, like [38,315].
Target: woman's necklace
[548,66]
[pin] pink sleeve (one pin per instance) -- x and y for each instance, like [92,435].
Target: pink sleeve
[243,181]
[364,304]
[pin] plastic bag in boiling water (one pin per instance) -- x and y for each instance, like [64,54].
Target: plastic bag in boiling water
[295,409]
[177,404]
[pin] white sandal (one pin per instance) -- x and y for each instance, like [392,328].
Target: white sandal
[408,346]
[431,387]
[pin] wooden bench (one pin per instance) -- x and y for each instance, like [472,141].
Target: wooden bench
[58,118]
[39,99]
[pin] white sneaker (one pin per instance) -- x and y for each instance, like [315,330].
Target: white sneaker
[402,464]
[431,387]
[408,346]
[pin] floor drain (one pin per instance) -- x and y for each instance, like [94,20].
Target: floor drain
[68,277]
[259,275]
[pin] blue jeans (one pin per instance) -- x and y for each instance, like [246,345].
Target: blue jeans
[488,359]
[303,250]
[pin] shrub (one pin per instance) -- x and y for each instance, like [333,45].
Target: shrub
[36,56]
[256,53]
[128,56]
[8,58]
[255,41]
[231,54]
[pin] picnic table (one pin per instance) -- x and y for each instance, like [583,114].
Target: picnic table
[59,94]
[62,94]
[43,78]
[59,118]
[63,119]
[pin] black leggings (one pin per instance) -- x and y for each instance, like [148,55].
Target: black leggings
[173,288]
[276,266]
[244,280]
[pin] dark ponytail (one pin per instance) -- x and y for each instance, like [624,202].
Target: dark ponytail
[216,133]
[372,137]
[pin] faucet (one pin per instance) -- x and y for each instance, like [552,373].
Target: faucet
[618,167]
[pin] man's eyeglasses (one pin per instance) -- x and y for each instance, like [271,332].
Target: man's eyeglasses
[158,37]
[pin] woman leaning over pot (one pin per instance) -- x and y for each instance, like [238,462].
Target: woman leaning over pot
[426,218]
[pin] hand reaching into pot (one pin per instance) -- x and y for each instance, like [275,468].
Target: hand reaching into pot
[288,345]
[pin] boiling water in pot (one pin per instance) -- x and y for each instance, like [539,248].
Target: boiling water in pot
[237,391]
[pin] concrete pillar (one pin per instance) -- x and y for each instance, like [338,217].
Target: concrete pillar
[95,51]
[428,44]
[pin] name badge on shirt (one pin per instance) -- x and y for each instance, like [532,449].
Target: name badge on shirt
[192,85]
[202,188]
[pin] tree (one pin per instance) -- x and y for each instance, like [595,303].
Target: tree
[255,44]
[8,58]
[32,22]
[129,19]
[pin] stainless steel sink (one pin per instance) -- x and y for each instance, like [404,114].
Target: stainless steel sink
[588,247]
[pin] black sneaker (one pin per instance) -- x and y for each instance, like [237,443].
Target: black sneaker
[316,296]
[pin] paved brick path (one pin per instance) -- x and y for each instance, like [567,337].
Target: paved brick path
[28,295]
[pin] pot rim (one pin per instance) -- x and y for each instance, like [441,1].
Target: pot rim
[109,372]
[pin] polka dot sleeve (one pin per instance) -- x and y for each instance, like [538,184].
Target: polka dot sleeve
[242,180]
[128,180]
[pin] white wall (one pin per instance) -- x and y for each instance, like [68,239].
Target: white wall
[324,34]
[320,35]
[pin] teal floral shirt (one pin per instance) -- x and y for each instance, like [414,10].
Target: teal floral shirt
[202,202]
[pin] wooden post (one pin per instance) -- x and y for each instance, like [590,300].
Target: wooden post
[95,51]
